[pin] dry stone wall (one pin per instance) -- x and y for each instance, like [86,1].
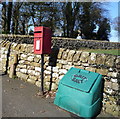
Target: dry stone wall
[69,43]
[27,67]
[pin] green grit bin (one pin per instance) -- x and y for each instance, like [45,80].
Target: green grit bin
[80,92]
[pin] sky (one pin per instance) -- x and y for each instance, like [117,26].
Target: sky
[112,8]
[113,12]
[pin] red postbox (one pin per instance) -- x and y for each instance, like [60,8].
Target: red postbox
[42,40]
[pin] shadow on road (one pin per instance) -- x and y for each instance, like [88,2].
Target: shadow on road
[2,74]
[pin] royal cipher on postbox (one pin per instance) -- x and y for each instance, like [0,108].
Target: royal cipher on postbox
[42,40]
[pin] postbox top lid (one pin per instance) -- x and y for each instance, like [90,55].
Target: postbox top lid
[40,28]
[79,79]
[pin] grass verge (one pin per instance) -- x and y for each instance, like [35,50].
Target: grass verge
[103,51]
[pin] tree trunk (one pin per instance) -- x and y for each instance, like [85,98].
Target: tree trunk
[9,15]
[4,17]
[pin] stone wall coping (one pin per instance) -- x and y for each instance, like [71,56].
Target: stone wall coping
[62,38]
[14,36]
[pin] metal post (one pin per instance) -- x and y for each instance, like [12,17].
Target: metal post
[51,79]
[42,73]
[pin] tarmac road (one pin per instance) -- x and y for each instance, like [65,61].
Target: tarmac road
[19,100]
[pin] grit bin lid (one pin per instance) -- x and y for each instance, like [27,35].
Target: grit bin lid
[80,79]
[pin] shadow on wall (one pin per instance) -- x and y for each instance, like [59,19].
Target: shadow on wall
[53,62]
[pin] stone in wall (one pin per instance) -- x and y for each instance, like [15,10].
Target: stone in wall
[55,69]
[13,46]
[58,80]
[110,61]
[31,81]
[23,56]
[90,69]
[63,61]
[46,59]
[118,62]
[70,55]
[80,67]
[78,63]
[85,64]
[22,76]
[29,49]
[14,58]
[23,70]
[17,48]
[48,68]
[112,109]
[4,61]
[102,71]
[65,54]
[3,56]
[92,58]
[60,77]
[38,56]
[23,47]
[5,44]
[38,69]
[37,74]
[59,65]
[30,67]
[31,72]
[12,71]
[32,78]
[77,56]
[62,71]
[101,59]
[35,64]
[115,86]
[112,74]
[47,72]
[21,61]
[27,62]
[84,56]
[108,84]
[38,83]
[61,50]
[67,66]
[70,63]
[47,85]
[47,78]
[3,50]
[17,69]
[108,91]
[55,75]
[114,80]
[30,58]
[3,68]
[23,66]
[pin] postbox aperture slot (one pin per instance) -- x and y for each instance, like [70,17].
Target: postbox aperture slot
[37,31]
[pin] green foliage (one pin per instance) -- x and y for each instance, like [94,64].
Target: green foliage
[69,17]
[104,30]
